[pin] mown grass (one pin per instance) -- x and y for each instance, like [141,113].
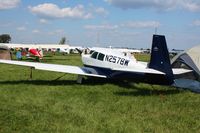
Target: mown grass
[142,57]
[44,104]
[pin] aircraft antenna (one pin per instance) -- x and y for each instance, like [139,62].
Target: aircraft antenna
[156,28]
[98,38]
[67,40]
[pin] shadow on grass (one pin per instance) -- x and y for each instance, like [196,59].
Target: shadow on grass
[145,92]
[149,90]
[56,59]
[40,82]
[89,82]
[134,89]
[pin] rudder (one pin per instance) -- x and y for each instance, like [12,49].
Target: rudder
[160,57]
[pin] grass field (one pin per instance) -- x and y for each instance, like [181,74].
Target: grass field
[44,104]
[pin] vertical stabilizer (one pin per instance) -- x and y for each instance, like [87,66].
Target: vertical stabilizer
[160,57]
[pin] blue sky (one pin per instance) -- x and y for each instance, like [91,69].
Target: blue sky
[121,23]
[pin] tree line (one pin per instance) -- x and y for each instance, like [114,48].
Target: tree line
[5,38]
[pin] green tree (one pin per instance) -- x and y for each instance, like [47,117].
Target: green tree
[62,41]
[5,38]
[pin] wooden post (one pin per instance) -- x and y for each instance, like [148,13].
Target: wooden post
[31,73]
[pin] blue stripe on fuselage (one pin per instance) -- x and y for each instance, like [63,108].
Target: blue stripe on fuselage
[130,76]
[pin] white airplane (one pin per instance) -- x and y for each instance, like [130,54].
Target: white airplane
[64,50]
[129,50]
[113,64]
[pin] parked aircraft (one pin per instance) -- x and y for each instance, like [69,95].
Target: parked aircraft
[49,47]
[132,51]
[36,53]
[113,64]
[64,50]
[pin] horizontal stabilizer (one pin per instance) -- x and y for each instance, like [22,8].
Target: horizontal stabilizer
[138,70]
[178,71]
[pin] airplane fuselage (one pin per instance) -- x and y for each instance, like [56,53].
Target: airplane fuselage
[111,60]
[114,64]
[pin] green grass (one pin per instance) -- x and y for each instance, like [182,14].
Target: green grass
[142,57]
[45,105]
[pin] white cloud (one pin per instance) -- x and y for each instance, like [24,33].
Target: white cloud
[51,10]
[101,11]
[56,32]
[22,28]
[141,24]
[8,4]
[130,24]
[190,5]
[8,24]
[196,23]
[43,21]
[95,10]
[36,31]
[101,27]
[135,4]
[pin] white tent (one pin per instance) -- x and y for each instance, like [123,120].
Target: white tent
[189,59]
[4,52]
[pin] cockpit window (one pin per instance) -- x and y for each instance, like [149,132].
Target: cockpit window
[94,55]
[101,56]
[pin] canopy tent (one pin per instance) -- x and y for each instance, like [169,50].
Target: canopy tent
[5,52]
[189,59]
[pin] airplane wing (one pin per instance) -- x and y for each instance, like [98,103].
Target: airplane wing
[85,71]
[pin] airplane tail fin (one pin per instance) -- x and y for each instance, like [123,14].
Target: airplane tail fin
[79,51]
[160,57]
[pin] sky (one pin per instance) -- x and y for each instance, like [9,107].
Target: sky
[103,23]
